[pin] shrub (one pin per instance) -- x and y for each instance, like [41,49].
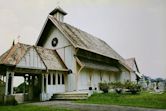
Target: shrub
[118,86]
[133,88]
[104,87]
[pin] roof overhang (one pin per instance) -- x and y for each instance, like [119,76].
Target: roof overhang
[98,66]
[126,66]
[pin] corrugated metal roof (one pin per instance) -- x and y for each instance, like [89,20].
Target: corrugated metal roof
[48,56]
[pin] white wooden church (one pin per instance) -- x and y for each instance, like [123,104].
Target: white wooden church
[64,59]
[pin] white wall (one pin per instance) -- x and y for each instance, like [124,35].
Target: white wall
[84,78]
[31,60]
[66,52]
[95,79]
[125,76]
[133,77]
[56,88]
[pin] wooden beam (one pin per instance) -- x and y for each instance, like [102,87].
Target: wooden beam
[26,70]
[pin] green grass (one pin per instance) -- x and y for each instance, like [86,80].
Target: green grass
[31,108]
[140,100]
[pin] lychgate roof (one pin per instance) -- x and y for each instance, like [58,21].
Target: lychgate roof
[49,57]
[14,54]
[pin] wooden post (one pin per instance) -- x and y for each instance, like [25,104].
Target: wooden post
[56,77]
[42,83]
[6,86]
[46,82]
[51,79]
[12,77]
[24,91]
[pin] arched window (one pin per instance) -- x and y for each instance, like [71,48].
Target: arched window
[49,79]
[54,79]
[59,79]
[63,79]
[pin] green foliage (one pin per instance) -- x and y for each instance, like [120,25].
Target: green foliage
[118,86]
[2,83]
[144,99]
[104,87]
[21,88]
[115,85]
[10,100]
[133,88]
[2,88]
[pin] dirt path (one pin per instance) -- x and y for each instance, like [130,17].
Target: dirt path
[91,107]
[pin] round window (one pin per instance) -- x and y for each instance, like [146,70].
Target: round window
[54,42]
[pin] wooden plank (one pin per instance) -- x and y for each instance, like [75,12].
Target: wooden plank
[27,71]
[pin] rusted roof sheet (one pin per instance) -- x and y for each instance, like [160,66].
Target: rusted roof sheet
[49,57]
[14,54]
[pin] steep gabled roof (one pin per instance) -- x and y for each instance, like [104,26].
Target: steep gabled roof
[49,57]
[83,40]
[14,54]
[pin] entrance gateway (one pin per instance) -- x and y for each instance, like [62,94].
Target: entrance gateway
[42,69]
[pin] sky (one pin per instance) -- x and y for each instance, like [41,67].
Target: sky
[134,28]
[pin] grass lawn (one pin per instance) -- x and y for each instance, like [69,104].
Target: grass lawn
[140,100]
[31,108]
